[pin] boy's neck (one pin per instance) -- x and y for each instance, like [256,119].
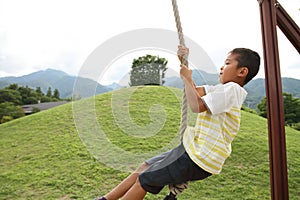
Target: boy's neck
[240,82]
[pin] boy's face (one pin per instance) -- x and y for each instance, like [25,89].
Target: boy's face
[230,71]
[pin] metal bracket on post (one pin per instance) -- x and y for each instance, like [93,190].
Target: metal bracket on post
[260,1]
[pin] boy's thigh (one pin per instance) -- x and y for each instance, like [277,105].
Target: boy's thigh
[176,168]
[157,158]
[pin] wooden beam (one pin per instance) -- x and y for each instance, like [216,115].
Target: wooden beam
[288,26]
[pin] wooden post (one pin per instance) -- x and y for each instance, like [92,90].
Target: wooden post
[277,145]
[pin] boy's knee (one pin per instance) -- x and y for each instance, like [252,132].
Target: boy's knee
[141,168]
[139,185]
[138,181]
[144,165]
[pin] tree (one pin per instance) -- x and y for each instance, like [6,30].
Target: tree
[13,86]
[291,109]
[46,99]
[262,107]
[29,96]
[56,94]
[39,92]
[5,119]
[148,70]
[20,95]
[9,95]
[49,92]
[24,95]
[8,109]
[31,100]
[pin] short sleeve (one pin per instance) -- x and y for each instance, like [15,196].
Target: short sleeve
[208,88]
[221,98]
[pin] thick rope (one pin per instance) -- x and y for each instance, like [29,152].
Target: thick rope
[178,188]
[183,123]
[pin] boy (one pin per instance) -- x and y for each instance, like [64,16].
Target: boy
[205,147]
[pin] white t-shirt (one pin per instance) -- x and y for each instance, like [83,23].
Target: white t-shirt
[209,143]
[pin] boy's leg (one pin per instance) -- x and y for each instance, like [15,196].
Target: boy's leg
[136,192]
[126,184]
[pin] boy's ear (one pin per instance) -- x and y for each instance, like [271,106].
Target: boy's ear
[243,72]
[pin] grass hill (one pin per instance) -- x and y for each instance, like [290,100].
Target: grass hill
[63,153]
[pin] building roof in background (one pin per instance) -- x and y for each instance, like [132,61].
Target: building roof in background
[42,106]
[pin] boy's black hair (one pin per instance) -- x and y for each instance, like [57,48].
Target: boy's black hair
[247,58]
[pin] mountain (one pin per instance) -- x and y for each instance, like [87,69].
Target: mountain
[86,87]
[114,86]
[199,77]
[255,88]
[57,79]
[257,91]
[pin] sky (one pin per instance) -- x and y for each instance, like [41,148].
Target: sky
[62,34]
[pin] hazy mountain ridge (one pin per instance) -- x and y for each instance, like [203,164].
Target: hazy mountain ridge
[65,84]
[55,79]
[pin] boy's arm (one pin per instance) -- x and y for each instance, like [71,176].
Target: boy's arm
[193,93]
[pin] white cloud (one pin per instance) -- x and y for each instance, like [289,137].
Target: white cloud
[38,34]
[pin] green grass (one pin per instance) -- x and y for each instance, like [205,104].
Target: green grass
[45,156]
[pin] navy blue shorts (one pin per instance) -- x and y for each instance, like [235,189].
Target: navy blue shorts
[176,167]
